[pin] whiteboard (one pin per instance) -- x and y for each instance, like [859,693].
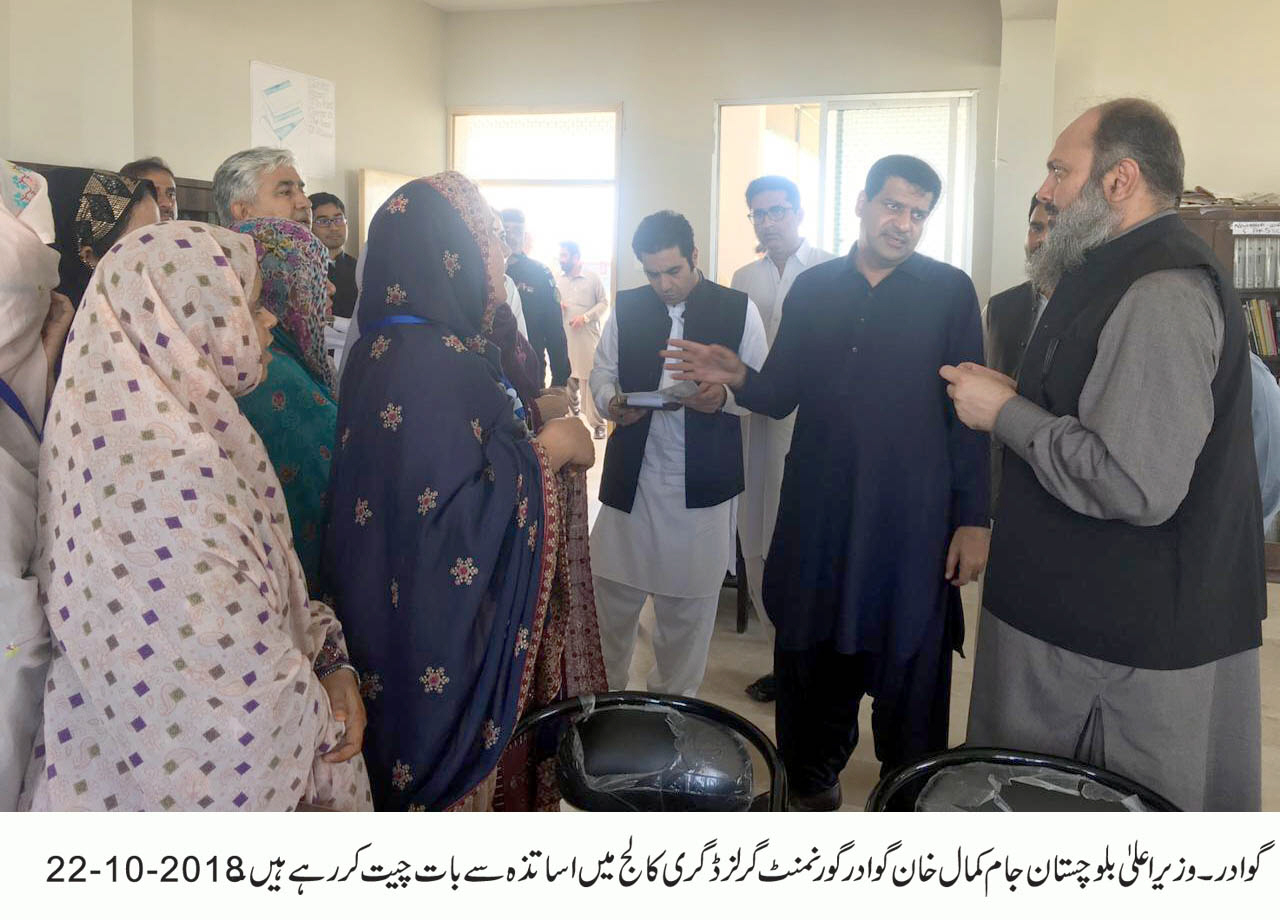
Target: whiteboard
[376,187]
[295,111]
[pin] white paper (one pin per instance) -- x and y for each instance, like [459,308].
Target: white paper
[646,400]
[296,111]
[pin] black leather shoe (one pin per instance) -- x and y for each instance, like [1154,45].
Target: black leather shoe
[764,690]
[826,800]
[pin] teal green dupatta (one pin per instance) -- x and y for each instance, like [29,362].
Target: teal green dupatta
[296,416]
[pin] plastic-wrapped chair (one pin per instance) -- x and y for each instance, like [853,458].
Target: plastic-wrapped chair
[631,751]
[989,779]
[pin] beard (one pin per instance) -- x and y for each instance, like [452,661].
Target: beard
[1081,227]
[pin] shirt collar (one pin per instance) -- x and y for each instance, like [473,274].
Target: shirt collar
[913,265]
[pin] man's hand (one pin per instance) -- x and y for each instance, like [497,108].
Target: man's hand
[967,556]
[578,322]
[704,363]
[620,414]
[978,392]
[709,398]
[347,708]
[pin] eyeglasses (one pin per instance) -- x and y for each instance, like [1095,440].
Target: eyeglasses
[774,214]
[338,220]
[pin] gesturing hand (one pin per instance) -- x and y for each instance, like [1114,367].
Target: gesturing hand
[347,708]
[978,392]
[704,363]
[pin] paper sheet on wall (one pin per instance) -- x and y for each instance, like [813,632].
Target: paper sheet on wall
[296,111]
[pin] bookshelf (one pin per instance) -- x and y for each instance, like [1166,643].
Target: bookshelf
[1220,227]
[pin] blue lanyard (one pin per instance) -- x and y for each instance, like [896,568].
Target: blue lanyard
[398,319]
[13,402]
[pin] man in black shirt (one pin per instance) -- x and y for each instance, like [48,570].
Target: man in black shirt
[883,511]
[541,300]
[329,223]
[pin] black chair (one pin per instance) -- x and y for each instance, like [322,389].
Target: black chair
[620,752]
[899,790]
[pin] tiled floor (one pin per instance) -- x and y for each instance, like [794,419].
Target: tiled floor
[736,660]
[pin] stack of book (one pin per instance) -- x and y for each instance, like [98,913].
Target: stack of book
[1262,316]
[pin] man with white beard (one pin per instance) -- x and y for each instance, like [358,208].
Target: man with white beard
[1124,593]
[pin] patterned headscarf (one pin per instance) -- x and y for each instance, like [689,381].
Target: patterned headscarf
[165,551]
[20,187]
[429,275]
[89,206]
[294,266]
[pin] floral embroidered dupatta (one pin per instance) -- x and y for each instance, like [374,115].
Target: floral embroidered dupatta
[444,521]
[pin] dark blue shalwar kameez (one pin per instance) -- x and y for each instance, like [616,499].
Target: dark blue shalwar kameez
[879,476]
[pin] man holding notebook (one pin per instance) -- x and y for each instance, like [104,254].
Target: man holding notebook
[673,465]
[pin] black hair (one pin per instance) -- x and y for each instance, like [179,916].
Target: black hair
[663,230]
[909,169]
[138,168]
[774,184]
[512,216]
[572,248]
[319,198]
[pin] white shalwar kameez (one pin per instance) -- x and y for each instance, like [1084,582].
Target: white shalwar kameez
[765,440]
[675,554]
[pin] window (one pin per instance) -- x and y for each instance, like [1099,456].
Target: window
[560,168]
[827,147]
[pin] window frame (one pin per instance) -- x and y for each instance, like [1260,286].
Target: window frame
[462,111]
[833,103]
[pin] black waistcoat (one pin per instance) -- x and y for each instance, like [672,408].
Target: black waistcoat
[1174,595]
[713,315]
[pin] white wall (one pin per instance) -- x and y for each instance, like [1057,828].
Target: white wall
[1208,64]
[667,63]
[1024,136]
[70,81]
[192,95]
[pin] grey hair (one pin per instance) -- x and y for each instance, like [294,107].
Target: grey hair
[1139,130]
[237,179]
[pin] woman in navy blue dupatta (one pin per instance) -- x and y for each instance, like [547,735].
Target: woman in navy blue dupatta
[445,515]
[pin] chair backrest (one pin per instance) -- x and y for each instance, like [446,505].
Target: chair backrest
[898,791]
[707,715]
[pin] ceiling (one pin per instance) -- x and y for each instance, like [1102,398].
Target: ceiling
[468,6]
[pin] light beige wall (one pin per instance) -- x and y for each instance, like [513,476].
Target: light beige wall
[1024,136]
[4,79]
[69,97]
[668,62]
[384,56]
[1208,64]
[740,130]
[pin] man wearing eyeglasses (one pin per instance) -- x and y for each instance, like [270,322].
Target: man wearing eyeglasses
[775,214]
[329,223]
